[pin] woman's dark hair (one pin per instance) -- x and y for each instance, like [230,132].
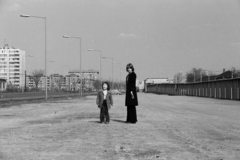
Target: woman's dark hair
[108,86]
[129,65]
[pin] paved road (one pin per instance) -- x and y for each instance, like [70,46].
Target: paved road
[169,128]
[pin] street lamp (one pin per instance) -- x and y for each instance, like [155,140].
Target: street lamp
[81,79]
[45,20]
[112,67]
[100,73]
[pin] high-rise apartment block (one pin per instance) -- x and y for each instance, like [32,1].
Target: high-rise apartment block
[12,66]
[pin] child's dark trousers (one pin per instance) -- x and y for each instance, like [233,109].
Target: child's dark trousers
[104,112]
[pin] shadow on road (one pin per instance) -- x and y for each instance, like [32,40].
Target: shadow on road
[94,121]
[120,121]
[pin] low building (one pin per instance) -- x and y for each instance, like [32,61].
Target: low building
[150,81]
[206,78]
[140,85]
[72,82]
[87,76]
[3,84]
[156,80]
[31,82]
[57,82]
[226,75]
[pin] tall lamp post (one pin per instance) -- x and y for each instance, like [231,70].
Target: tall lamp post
[100,73]
[81,79]
[120,66]
[45,20]
[112,67]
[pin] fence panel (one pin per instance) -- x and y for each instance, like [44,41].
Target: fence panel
[221,89]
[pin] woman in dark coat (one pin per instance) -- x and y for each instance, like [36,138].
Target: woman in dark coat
[131,100]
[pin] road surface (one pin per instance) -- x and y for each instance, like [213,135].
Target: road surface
[168,128]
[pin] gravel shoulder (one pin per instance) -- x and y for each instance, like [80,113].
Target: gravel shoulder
[168,128]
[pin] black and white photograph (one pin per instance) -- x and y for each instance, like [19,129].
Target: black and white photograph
[119,80]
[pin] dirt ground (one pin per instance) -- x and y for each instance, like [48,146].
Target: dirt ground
[168,128]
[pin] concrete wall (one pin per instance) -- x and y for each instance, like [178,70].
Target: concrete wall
[221,89]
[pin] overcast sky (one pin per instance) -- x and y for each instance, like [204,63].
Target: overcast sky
[160,37]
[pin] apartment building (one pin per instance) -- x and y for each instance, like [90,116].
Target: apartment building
[57,82]
[41,84]
[12,65]
[31,83]
[2,84]
[88,77]
[70,82]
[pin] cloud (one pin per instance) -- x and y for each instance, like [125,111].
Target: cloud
[14,7]
[130,35]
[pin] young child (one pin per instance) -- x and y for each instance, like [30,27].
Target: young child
[104,102]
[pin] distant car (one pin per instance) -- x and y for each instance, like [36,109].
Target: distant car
[116,92]
[123,91]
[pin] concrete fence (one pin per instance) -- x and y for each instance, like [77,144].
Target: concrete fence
[221,89]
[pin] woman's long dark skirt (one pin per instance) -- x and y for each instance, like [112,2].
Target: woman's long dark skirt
[131,114]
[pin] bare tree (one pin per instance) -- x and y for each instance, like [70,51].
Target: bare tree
[178,78]
[36,75]
[59,82]
[97,84]
[235,72]
[195,75]
[212,73]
